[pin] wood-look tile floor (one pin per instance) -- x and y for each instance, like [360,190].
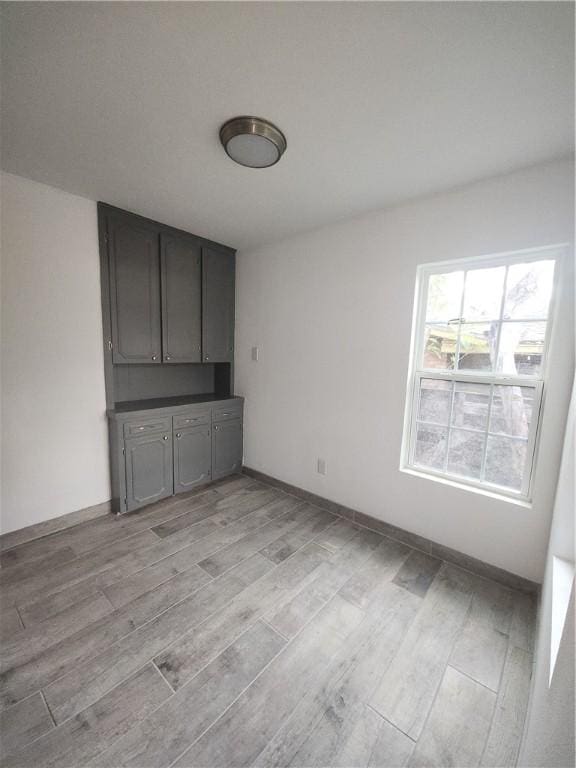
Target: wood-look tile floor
[239,626]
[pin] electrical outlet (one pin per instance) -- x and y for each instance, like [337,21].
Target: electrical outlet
[321,466]
[255,354]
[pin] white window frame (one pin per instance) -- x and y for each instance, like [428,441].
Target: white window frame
[417,372]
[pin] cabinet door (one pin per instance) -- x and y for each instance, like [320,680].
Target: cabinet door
[134,291]
[181,299]
[192,457]
[226,448]
[217,306]
[148,469]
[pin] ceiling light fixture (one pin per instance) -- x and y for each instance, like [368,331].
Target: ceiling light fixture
[252,141]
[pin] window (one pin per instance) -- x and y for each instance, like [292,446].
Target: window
[479,346]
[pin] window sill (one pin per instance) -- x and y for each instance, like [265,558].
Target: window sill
[518,502]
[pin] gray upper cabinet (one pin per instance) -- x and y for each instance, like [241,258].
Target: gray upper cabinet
[134,291]
[167,310]
[192,457]
[148,469]
[181,278]
[217,306]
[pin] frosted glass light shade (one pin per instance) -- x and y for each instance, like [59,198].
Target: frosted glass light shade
[252,141]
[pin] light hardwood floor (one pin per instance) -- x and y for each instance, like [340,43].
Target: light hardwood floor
[238,626]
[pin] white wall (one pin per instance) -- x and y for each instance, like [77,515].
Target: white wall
[549,733]
[331,312]
[54,436]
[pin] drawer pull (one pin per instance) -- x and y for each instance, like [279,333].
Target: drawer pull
[178,435]
[165,437]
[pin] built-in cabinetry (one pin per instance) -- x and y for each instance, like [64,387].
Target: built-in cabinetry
[168,320]
[161,451]
[217,306]
[192,450]
[171,296]
[226,442]
[149,472]
[181,282]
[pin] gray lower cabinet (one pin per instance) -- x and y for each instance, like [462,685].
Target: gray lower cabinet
[164,450]
[192,457]
[226,448]
[149,475]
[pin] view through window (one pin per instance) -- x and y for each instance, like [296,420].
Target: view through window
[480,342]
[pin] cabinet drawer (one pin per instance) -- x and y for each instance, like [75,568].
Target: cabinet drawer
[150,426]
[191,419]
[227,412]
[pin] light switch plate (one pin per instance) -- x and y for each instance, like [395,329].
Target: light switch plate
[255,354]
[321,466]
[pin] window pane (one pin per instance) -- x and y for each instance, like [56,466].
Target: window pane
[430,448]
[528,290]
[521,348]
[444,296]
[435,397]
[471,405]
[505,460]
[483,294]
[465,453]
[440,346]
[477,342]
[480,352]
[511,410]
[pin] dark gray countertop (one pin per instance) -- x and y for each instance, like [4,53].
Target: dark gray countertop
[132,406]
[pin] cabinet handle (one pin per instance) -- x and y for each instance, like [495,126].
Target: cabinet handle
[167,357]
[178,435]
[216,426]
[165,437]
[153,357]
[206,357]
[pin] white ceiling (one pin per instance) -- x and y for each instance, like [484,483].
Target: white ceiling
[380,102]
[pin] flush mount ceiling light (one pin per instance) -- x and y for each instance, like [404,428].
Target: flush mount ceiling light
[252,141]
